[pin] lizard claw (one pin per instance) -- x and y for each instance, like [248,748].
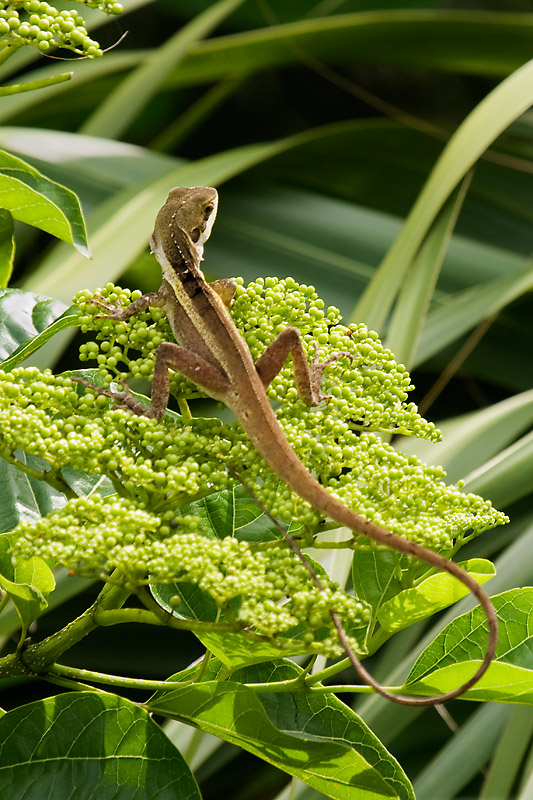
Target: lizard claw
[113,312]
[318,367]
[122,399]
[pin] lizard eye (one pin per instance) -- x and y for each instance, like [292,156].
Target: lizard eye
[195,234]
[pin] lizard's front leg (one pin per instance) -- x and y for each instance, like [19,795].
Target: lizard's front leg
[168,356]
[307,377]
[120,314]
[207,376]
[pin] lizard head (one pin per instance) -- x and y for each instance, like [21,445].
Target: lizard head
[191,210]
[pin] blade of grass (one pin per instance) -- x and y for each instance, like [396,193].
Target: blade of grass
[463,756]
[470,440]
[508,756]
[411,309]
[508,476]
[460,313]
[491,43]
[125,103]
[83,72]
[495,112]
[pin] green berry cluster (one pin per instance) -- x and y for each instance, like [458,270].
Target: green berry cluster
[334,440]
[145,530]
[40,24]
[275,595]
[49,416]
[126,349]
[368,389]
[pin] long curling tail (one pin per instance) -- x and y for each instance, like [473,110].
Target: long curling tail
[359,524]
[485,602]
[335,509]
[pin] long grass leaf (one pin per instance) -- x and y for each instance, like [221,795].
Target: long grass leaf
[83,72]
[460,313]
[495,112]
[413,302]
[511,748]
[470,440]
[490,43]
[126,102]
[507,477]
[464,755]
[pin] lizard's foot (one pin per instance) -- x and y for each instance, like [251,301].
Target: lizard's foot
[122,399]
[317,368]
[112,312]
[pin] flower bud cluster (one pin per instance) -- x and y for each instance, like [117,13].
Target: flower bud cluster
[157,467]
[95,535]
[40,24]
[49,416]
[333,440]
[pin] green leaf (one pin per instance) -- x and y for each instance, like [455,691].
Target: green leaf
[7,246]
[478,42]
[495,112]
[312,737]
[28,584]
[38,201]
[125,103]
[232,512]
[47,307]
[24,497]
[373,576]
[456,652]
[233,649]
[24,315]
[430,596]
[89,745]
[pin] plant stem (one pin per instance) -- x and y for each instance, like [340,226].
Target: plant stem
[117,616]
[72,673]
[18,88]
[36,658]
[7,51]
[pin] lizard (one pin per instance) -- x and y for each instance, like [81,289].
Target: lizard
[211,352]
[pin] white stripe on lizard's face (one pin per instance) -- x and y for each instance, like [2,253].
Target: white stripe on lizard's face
[199,245]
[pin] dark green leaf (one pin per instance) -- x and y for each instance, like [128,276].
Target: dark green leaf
[315,738]
[24,316]
[24,497]
[233,513]
[373,576]
[89,745]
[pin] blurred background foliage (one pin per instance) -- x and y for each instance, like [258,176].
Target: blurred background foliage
[320,123]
